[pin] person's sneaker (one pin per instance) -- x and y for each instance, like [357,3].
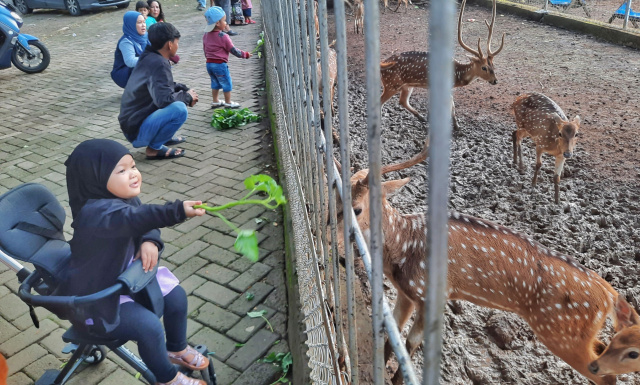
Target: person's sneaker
[217,104]
[200,7]
[231,105]
[231,33]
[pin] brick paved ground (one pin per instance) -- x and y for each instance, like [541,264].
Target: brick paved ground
[45,115]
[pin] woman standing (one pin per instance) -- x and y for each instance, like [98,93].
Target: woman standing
[130,46]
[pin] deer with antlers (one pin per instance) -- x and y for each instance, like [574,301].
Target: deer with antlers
[564,303]
[544,121]
[404,71]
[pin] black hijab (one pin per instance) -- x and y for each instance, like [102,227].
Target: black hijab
[88,170]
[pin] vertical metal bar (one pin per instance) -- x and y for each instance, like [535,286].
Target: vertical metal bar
[372,60]
[626,15]
[441,28]
[343,113]
[546,6]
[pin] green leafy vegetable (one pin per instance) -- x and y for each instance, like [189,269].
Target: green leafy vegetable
[225,118]
[260,44]
[247,241]
[261,313]
[250,296]
[284,361]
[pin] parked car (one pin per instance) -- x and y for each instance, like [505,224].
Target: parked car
[75,7]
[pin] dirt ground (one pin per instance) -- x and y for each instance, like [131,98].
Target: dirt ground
[597,220]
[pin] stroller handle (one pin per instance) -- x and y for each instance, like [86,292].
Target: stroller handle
[38,300]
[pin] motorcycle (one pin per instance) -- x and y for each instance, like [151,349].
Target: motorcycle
[26,52]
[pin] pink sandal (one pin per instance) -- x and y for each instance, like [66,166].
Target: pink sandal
[181,379]
[190,359]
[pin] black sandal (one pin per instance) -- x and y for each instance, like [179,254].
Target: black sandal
[175,140]
[167,153]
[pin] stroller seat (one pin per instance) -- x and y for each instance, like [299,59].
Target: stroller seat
[31,230]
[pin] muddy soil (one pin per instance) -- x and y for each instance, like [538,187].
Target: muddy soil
[597,220]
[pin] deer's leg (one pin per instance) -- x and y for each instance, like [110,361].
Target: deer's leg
[453,114]
[401,313]
[405,94]
[556,176]
[538,164]
[387,94]
[414,339]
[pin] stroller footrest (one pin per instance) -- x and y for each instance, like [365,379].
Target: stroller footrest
[48,378]
[69,348]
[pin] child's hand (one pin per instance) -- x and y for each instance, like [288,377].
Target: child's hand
[190,211]
[249,55]
[149,254]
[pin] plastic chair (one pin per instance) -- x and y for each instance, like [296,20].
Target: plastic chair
[31,230]
[565,4]
[634,17]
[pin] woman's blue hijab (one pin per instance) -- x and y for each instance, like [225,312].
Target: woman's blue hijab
[130,32]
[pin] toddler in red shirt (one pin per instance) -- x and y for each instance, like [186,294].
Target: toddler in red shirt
[217,45]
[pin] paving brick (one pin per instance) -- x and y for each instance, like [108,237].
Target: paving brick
[217,273]
[255,273]
[93,374]
[191,283]
[189,267]
[119,377]
[249,326]
[27,337]
[37,368]
[255,348]
[187,252]
[19,379]
[221,240]
[25,357]
[260,291]
[216,317]
[215,293]
[190,237]
[221,346]
[7,330]
[54,344]
[224,373]
[219,255]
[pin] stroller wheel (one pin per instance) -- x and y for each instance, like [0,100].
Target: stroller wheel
[96,355]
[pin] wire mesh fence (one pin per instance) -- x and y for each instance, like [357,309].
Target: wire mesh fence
[303,68]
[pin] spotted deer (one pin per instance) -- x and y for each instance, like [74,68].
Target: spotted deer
[621,356]
[404,71]
[333,72]
[358,17]
[406,5]
[544,121]
[490,265]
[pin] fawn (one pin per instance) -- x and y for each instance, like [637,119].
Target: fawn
[333,72]
[565,304]
[621,356]
[404,71]
[544,121]
[358,17]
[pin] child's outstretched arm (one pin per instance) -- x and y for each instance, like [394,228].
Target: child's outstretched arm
[241,54]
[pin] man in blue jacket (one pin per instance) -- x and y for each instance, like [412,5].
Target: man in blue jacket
[153,106]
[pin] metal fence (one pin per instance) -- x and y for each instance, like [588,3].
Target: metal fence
[318,191]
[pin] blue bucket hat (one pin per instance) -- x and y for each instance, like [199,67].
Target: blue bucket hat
[213,15]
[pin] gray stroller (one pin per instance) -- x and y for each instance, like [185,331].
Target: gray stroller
[31,230]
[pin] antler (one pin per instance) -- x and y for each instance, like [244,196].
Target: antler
[490,26]
[399,166]
[478,53]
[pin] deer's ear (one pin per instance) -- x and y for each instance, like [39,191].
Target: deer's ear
[576,120]
[626,316]
[392,186]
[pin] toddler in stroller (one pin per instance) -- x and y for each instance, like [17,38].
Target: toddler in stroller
[105,280]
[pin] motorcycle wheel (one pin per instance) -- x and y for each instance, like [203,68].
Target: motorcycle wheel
[22,6]
[31,62]
[74,7]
